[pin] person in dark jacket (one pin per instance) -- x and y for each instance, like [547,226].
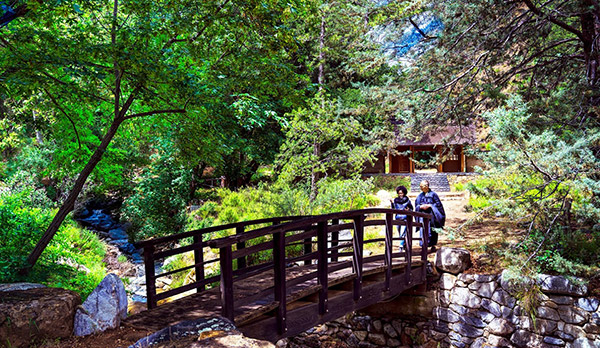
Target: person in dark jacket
[429,202]
[402,202]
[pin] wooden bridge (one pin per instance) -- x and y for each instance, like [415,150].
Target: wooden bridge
[281,276]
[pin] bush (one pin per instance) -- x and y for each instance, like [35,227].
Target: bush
[72,260]
[389,183]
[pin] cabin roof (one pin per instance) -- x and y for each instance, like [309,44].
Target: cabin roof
[449,135]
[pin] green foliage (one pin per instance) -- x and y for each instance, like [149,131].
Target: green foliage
[157,205]
[73,260]
[389,183]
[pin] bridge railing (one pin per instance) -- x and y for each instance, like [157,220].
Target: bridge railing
[282,240]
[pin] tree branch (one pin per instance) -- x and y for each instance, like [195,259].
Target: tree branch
[554,20]
[64,113]
[156,112]
[419,29]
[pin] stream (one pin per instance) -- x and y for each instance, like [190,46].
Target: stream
[99,217]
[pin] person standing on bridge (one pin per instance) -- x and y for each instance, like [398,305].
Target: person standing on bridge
[429,202]
[402,202]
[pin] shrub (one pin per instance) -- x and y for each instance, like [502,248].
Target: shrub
[389,183]
[72,260]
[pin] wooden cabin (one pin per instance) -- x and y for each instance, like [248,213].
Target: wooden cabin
[447,144]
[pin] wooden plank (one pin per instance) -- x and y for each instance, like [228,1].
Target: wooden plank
[408,240]
[241,261]
[389,230]
[322,266]
[280,286]
[199,263]
[150,276]
[358,254]
[227,282]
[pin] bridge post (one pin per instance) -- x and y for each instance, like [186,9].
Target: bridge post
[358,241]
[241,261]
[389,243]
[279,275]
[335,239]
[150,276]
[408,241]
[199,261]
[226,282]
[322,266]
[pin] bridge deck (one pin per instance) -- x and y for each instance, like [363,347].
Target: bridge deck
[255,301]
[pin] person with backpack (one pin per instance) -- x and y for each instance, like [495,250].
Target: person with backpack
[402,202]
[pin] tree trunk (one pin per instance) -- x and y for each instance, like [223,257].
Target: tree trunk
[314,175]
[321,79]
[69,203]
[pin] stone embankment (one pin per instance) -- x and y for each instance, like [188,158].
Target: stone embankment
[471,310]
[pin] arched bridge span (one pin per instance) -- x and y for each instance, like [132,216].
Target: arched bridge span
[281,276]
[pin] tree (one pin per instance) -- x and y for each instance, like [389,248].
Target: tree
[122,61]
[528,72]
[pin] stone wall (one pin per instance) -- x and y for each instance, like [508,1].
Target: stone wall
[469,310]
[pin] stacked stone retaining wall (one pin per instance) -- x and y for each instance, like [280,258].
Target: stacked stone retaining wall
[470,310]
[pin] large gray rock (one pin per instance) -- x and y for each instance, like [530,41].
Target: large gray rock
[463,297]
[572,315]
[30,316]
[522,338]
[500,327]
[584,343]
[103,309]
[20,286]
[560,285]
[452,260]
[588,304]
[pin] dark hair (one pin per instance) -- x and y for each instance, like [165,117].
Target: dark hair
[403,189]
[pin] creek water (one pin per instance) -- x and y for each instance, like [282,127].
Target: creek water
[98,217]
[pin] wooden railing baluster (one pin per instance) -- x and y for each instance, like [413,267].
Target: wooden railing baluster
[335,239]
[358,242]
[150,277]
[279,275]
[389,243]
[307,250]
[199,262]
[322,266]
[425,238]
[226,282]
[241,261]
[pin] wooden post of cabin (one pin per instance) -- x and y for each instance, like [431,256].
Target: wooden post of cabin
[226,282]
[279,286]
[241,261]
[358,241]
[389,248]
[199,261]
[150,276]
[322,266]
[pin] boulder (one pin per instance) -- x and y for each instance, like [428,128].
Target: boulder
[452,260]
[103,309]
[36,314]
[20,286]
[560,285]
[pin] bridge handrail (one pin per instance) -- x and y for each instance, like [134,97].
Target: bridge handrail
[308,220]
[198,232]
